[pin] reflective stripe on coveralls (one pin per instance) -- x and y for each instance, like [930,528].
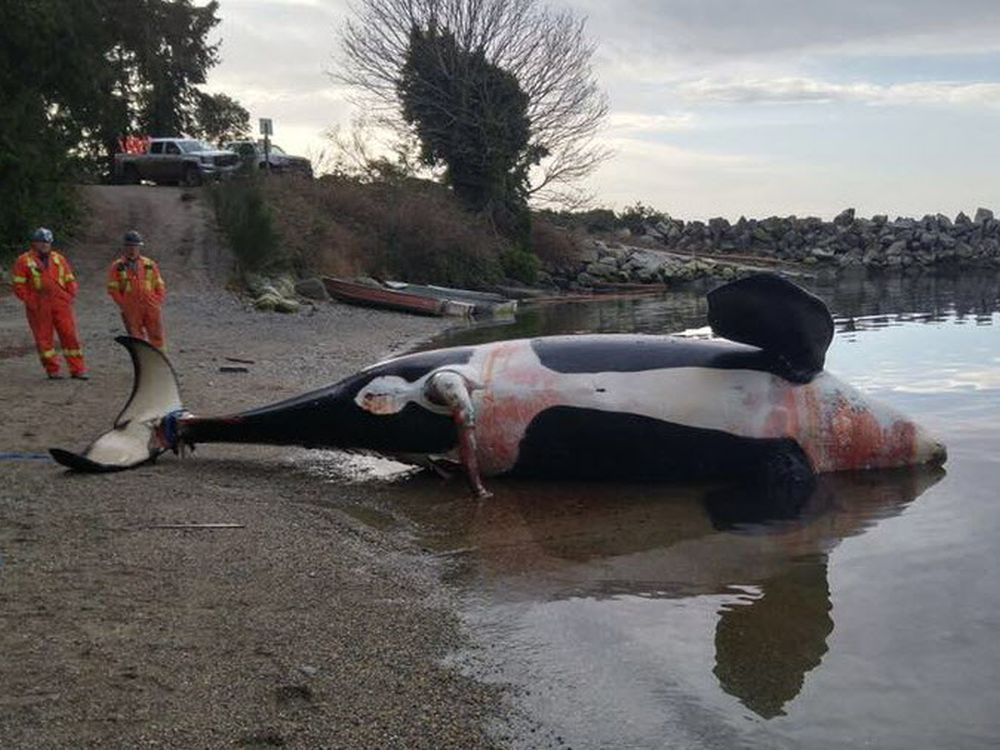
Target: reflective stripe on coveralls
[151,279]
[36,274]
[137,288]
[47,292]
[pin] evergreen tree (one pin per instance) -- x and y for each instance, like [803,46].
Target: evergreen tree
[75,76]
[220,118]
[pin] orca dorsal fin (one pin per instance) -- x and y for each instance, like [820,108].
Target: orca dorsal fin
[770,312]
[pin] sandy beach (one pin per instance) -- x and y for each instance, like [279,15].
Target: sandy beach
[301,627]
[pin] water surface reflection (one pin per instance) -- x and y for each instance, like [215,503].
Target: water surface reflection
[757,561]
[883,298]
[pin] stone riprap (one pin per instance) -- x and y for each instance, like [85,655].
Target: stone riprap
[669,250]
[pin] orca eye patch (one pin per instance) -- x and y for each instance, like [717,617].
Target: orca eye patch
[386,395]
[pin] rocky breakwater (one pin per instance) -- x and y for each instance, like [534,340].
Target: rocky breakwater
[674,250]
[601,264]
[850,241]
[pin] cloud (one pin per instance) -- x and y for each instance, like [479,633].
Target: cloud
[667,64]
[278,45]
[805,90]
[699,30]
[633,123]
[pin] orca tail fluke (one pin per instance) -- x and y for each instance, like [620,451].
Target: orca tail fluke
[146,425]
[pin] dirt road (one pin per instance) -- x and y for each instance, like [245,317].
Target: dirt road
[302,628]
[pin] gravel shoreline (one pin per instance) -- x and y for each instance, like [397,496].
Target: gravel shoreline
[303,628]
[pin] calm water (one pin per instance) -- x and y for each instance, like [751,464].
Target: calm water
[867,614]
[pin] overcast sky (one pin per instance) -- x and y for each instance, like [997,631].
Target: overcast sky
[719,107]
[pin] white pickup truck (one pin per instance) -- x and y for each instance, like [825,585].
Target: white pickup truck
[252,153]
[183,161]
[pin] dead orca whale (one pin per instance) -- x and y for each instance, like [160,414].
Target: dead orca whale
[636,407]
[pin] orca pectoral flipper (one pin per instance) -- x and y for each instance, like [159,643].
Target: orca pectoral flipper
[450,389]
[770,312]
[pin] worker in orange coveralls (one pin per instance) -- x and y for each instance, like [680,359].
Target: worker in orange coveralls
[135,284]
[44,282]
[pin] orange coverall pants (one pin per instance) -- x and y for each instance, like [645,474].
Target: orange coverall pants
[138,289]
[47,288]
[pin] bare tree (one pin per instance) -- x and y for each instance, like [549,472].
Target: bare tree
[547,52]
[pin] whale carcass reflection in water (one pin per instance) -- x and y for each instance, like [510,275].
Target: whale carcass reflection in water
[767,556]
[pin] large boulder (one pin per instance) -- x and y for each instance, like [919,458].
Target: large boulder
[896,248]
[650,230]
[284,284]
[287,305]
[603,270]
[272,294]
[845,218]
[590,251]
[267,302]
[616,254]
[313,288]
[851,258]
[644,263]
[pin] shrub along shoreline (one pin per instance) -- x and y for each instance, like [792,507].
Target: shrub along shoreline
[415,230]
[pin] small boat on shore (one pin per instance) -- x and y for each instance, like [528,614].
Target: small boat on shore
[369,295]
[485,303]
[419,299]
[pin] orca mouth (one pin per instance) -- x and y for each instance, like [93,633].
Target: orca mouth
[939,455]
[137,436]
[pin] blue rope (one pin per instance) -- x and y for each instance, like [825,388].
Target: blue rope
[24,456]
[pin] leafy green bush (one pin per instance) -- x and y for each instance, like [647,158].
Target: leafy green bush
[591,220]
[600,220]
[636,217]
[520,264]
[246,220]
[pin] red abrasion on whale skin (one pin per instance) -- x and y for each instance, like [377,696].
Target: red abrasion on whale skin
[501,422]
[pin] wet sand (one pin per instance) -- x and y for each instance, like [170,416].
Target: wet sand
[301,628]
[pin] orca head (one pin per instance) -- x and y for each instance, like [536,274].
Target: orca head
[848,430]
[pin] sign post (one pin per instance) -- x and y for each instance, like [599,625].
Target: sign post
[266,129]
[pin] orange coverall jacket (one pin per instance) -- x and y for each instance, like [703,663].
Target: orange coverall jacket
[138,289]
[47,290]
